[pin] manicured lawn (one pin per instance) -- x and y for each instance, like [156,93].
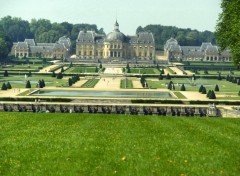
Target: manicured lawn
[81,70]
[224,86]
[88,144]
[144,71]
[90,83]
[49,81]
[179,95]
[126,84]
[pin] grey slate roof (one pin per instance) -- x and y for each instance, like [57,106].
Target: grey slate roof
[86,36]
[145,37]
[211,50]
[22,45]
[30,42]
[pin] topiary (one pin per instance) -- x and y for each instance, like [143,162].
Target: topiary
[183,87]
[5,73]
[216,88]
[9,85]
[28,84]
[4,87]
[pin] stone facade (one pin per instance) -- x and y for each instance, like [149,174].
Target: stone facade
[28,48]
[205,52]
[115,45]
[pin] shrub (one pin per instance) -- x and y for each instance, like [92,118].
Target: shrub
[238,82]
[28,84]
[59,75]
[4,87]
[208,94]
[204,91]
[40,84]
[206,71]
[62,70]
[29,74]
[200,88]
[163,71]
[183,87]
[96,69]
[70,82]
[53,74]
[219,76]
[160,76]
[5,73]
[168,76]
[43,83]
[216,88]
[128,70]
[212,95]
[9,85]
[100,65]
[239,93]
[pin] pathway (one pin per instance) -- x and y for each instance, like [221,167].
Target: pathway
[108,83]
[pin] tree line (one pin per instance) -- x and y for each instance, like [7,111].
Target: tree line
[42,30]
[15,29]
[185,37]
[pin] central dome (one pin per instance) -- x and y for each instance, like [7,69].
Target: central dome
[116,35]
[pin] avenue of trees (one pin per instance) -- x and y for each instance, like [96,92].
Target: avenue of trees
[228,27]
[185,37]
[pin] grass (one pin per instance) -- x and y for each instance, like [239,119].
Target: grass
[81,70]
[90,83]
[49,81]
[180,95]
[90,144]
[126,84]
[224,86]
[144,71]
[170,70]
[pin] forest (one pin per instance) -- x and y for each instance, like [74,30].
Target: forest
[43,30]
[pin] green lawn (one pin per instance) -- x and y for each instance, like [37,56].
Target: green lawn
[224,86]
[144,71]
[49,81]
[88,144]
[81,70]
[126,84]
[90,83]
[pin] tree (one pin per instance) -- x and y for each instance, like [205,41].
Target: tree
[170,85]
[59,75]
[62,70]
[40,84]
[208,94]
[43,83]
[5,46]
[200,88]
[71,64]
[239,93]
[5,73]
[96,69]
[212,95]
[238,82]
[216,88]
[100,66]
[219,76]
[28,84]
[53,74]
[162,71]
[70,82]
[160,76]
[204,91]
[9,85]
[128,70]
[29,74]
[168,76]
[206,71]
[4,87]
[228,27]
[183,88]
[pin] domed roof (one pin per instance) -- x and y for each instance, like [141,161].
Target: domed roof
[116,35]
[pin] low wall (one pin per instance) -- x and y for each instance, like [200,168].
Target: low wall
[210,111]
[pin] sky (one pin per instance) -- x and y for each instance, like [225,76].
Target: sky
[195,14]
